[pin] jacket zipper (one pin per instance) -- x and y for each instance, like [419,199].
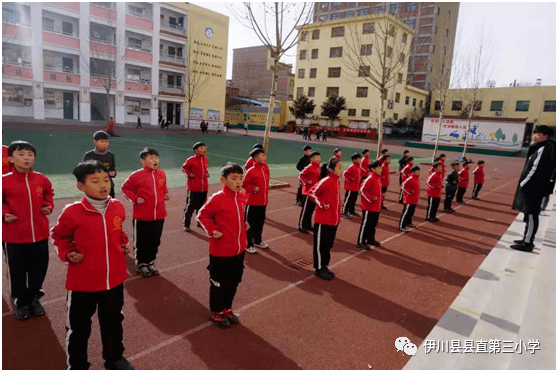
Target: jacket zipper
[30,206]
[106,247]
[155,190]
[239,223]
[338,202]
[203,173]
[266,185]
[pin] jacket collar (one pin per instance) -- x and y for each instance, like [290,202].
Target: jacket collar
[375,175]
[85,203]
[334,176]
[147,169]
[414,176]
[21,174]
[317,165]
[199,156]
[228,192]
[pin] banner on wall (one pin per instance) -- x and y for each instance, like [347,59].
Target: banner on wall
[195,124]
[504,134]
[213,115]
[196,113]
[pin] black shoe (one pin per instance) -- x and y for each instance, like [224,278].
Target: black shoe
[23,313]
[400,201]
[347,216]
[461,203]
[435,219]
[519,241]
[187,229]
[427,220]
[304,231]
[476,198]
[298,204]
[153,269]
[121,363]
[354,214]
[384,208]
[322,274]
[36,308]
[331,273]
[402,229]
[448,210]
[231,317]
[524,247]
[411,225]
[143,270]
[366,247]
[376,243]
[311,228]
[452,210]
[220,320]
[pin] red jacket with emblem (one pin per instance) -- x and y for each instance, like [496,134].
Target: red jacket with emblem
[196,165]
[224,212]
[385,175]
[6,165]
[478,175]
[371,193]
[434,184]
[406,172]
[23,195]
[352,177]
[99,237]
[150,185]
[327,192]
[257,176]
[411,190]
[463,177]
[309,177]
[364,171]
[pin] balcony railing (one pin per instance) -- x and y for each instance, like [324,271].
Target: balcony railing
[166,88]
[102,41]
[58,30]
[173,58]
[146,49]
[15,62]
[145,14]
[60,68]
[138,80]
[104,5]
[16,22]
[173,27]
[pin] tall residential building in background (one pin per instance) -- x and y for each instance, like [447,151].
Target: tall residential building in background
[435,27]
[253,73]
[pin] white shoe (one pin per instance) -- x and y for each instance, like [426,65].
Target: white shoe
[262,245]
[251,250]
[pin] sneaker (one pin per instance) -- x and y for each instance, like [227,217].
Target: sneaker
[452,210]
[322,274]
[304,231]
[475,198]
[411,225]
[231,317]
[384,208]
[461,203]
[251,250]
[348,216]
[143,270]
[121,363]
[23,313]
[523,247]
[448,210]
[261,245]
[331,273]
[354,214]
[187,229]
[36,308]
[402,229]
[366,247]
[518,241]
[427,220]
[376,243]
[298,204]
[219,320]
[435,219]
[153,269]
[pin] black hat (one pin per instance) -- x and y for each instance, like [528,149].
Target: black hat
[543,129]
[336,149]
[198,144]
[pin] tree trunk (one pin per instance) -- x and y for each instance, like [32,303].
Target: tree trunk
[188,117]
[380,126]
[437,136]
[271,106]
[108,105]
[467,135]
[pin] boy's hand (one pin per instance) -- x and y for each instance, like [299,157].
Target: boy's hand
[112,174]
[256,189]
[326,206]
[208,175]
[310,182]
[8,217]
[75,257]
[247,225]
[125,248]
[351,179]
[191,175]
[46,210]
[167,197]
[140,201]
[217,234]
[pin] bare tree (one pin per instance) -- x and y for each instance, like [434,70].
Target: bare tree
[377,51]
[277,25]
[195,77]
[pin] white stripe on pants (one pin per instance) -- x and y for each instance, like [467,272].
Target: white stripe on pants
[362,228]
[403,217]
[319,245]
[69,330]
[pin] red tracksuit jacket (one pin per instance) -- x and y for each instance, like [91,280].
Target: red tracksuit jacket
[353,172]
[197,165]
[23,195]
[325,192]
[249,163]
[99,237]
[478,175]
[257,176]
[364,171]
[6,165]
[310,173]
[224,212]
[406,172]
[371,193]
[150,185]
[411,190]
[385,175]
[434,184]
[463,177]
[443,168]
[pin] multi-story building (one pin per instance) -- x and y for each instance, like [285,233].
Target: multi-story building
[253,74]
[58,59]
[322,70]
[434,24]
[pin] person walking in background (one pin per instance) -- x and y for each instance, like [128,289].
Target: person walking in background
[139,123]
[110,128]
[478,179]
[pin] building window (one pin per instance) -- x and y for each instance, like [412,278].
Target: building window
[362,92]
[336,52]
[435,30]
[335,16]
[48,24]
[332,91]
[402,58]
[304,36]
[395,116]
[389,51]
[311,92]
[393,8]
[411,7]
[397,97]
[313,73]
[368,28]
[447,32]
[302,55]
[366,50]
[522,106]
[314,53]
[133,107]
[410,22]
[135,43]
[363,12]
[414,102]
[433,49]
[338,31]
[437,105]
[316,35]
[477,106]
[391,31]
[496,105]
[549,106]
[50,99]
[406,100]
[324,5]
[457,106]
[334,72]
[301,73]
[349,14]
[363,71]
[437,10]
[299,92]
[336,3]
[444,50]
[399,78]
[365,113]
[449,14]
[352,112]
[378,9]
[404,38]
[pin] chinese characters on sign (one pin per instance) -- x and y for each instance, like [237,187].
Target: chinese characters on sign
[480,346]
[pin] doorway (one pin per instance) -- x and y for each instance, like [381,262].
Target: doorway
[177,116]
[528,134]
[170,111]
[68,105]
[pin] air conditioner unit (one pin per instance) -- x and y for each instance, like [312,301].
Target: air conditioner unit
[498,113]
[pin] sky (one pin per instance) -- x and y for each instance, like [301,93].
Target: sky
[522,36]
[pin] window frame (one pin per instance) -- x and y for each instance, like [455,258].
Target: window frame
[397,97]
[367,29]
[315,73]
[351,112]
[522,102]
[312,90]
[331,72]
[363,91]
[456,105]
[312,54]
[301,73]
[332,88]
[366,50]
[337,31]
[494,104]
[315,34]
[331,52]
[302,55]
[549,105]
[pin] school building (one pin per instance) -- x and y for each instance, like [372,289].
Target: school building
[59,58]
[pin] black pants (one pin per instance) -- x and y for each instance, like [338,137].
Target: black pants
[194,202]
[460,193]
[350,202]
[531,227]
[401,196]
[299,192]
[384,191]
[139,126]
[407,215]
[147,238]
[432,209]
[476,189]
[112,194]
[255,216]
[27,265]
[324,236]
[367,232]
[450,193]
[224,275]
[81,307]
[305,219]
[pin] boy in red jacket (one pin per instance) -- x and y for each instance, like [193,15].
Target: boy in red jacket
[364,164]
[88,236]
[371,205]
[337,153]
[463,182]
[386,161]
[478,179]
[250,162]
[434,190]
[384,152]
[326,195]
[195,169]
[406,173]
[26,202]
[110,128]
[222,218]
[352,183]
[411,192]
[6,165]
[256,184]
[147,190]
[309,177]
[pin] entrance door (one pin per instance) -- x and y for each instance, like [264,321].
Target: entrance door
[170,109]
[177,116]
[68,105]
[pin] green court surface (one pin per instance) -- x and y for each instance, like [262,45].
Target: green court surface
[59,152]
